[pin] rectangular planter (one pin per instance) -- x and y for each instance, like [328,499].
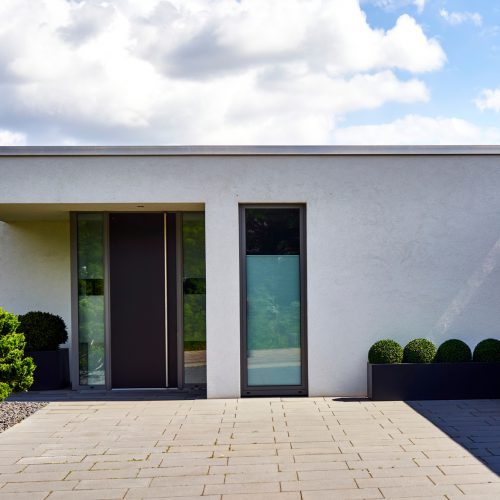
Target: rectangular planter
[52,370]
[420,381]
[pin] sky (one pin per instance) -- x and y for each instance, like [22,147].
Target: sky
[283,72]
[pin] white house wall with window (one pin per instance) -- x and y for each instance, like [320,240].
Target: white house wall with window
[253,270]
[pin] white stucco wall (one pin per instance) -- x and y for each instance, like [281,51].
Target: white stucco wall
[397,246]
[35,268]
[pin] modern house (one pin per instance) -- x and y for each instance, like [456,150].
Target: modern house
[253,270]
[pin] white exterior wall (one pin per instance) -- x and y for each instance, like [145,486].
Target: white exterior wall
[35,268]
[397,246]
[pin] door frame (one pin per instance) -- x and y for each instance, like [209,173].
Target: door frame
[275,390]
[174,304]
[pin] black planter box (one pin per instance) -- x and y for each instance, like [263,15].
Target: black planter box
[419,381]
[52,369]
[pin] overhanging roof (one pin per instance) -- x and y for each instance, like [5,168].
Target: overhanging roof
[245,150]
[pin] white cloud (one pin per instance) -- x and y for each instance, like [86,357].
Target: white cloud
[420,5]
[488,99]
[455,18]
[8,138]
[415,129]
[201,71]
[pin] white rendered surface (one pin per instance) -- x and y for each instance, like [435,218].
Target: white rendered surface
[35,268]
[398,246]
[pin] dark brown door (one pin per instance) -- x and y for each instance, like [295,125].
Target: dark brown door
[137,300]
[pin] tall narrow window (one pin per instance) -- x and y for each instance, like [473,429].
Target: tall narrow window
[90,244]
[273,332]
[194,298]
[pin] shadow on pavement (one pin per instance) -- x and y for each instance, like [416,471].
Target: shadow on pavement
[474,424]
[113,395]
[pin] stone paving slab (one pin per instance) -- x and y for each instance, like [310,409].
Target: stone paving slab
[265,449]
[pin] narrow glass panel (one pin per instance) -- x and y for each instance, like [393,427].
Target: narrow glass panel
[194,298]
[273,296]
[90,245]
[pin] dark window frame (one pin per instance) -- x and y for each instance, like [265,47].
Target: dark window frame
[275,390]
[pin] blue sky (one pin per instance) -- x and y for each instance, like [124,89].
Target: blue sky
[249,72]
[473,56]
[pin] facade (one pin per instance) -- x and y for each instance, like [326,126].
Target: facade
[253,270]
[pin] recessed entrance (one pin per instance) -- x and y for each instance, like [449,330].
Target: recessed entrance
[139,299]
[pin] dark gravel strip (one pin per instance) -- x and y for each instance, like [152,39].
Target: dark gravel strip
[13,412]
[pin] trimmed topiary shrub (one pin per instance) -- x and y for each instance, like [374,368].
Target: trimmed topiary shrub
[419,351]
[385,351]
[43,331]
[453,351]
[487,351]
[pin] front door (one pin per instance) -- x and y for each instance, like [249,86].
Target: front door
[137,300]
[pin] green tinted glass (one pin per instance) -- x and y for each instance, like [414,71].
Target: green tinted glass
[90,251]
[194,298]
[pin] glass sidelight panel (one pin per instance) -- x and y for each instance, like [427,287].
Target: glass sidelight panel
[273,298]
[194,298]
[90,254]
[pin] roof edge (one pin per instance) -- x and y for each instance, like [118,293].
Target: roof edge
[246,150]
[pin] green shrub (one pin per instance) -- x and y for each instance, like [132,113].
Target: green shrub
[385,351]
[419,351]
[15,369]
[5,390]
[43,331]
[453,351]
[8,322]
[487,351]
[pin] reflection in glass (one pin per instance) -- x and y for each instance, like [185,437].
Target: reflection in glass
[90,252]
[273,296]
[194,298]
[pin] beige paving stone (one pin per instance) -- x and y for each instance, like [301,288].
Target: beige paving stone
[346,494]
[103,474]
[102,484]
[50,460]
[406,472]
[132,464]
[490,489]
[88,495]
[173,471]
[168,461]
[419,491]
[32,495]
[318,466]
[163,492]
[489,477]
[319,484]
[273,459]
[464,469]
[331,474]
[187,480]
[261,477]
[39,486]
[259,496]
[379,482]
[225,489]
[243,469]
[270,441]
[26,477]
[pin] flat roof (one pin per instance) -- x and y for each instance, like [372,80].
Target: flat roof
[245,150]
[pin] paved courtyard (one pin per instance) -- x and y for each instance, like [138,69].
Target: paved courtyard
[274,448]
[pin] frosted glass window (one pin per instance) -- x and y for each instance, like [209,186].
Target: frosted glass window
[273,300]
